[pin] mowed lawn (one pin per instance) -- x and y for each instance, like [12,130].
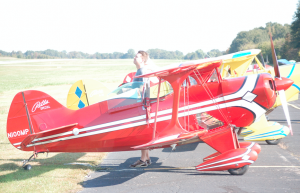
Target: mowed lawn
[55,77]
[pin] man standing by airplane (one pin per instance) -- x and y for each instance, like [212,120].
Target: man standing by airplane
[140,60]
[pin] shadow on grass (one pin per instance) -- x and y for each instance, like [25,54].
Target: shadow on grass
[46,165]
[8,167]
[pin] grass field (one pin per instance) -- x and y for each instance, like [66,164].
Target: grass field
[8,59]
[51,174]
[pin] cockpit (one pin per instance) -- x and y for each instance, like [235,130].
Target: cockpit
[131,90]
[133,93]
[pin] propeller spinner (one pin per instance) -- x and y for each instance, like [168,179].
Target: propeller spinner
[282,84]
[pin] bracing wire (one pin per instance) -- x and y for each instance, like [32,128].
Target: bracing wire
[214,101]
[210,94]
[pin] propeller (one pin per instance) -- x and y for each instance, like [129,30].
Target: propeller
[282,84]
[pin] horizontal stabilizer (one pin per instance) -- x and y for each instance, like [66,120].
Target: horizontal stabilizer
[44,134]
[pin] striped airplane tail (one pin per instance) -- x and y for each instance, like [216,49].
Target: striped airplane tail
[26,108]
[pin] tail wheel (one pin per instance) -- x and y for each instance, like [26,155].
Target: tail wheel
[27,167]
[273,142]
[239,171]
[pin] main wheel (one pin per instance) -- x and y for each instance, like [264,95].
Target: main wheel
[27,167]
[273,142]
[239,171]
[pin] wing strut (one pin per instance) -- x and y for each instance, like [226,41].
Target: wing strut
[176,81]
[157,104]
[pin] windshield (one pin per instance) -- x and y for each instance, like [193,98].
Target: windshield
[129,90]
[127,94]
[134,92]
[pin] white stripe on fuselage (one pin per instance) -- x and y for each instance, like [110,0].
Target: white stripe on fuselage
[248,86]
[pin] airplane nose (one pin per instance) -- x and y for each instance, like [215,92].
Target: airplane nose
[283,83]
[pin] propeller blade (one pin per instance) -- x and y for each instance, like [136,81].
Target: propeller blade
[285,86]
[285,109]
[276,67]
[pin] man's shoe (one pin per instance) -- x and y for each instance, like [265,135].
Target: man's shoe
[139,163]
[148,161]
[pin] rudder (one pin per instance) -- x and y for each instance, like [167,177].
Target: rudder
[24,106]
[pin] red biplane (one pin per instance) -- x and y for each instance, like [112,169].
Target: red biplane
[200,106]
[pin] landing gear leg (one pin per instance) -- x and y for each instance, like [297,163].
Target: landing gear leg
[28,166]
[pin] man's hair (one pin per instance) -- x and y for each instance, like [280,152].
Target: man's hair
[144,54]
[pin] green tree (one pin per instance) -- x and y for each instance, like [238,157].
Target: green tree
[200,54]
[164,54]
[214,53]
[295,28]
[3,53]
[288,51]
[19,54]
[191,56]
[29,54]
[130,54]
[251,39]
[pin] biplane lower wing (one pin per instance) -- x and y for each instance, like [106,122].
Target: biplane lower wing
[170,140]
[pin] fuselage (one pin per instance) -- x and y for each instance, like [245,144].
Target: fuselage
[236,101]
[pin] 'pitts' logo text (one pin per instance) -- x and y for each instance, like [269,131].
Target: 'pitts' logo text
[40,105]
[17,133]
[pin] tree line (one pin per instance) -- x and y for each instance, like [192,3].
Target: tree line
[259,38]
[286,42]
[154,54]
[286,39]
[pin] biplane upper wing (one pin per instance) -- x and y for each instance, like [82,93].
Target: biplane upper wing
[204,65]
[237,63]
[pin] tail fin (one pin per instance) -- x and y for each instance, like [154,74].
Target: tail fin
[86,92]
[27,115]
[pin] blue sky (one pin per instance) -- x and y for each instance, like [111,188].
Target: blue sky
[118,25]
